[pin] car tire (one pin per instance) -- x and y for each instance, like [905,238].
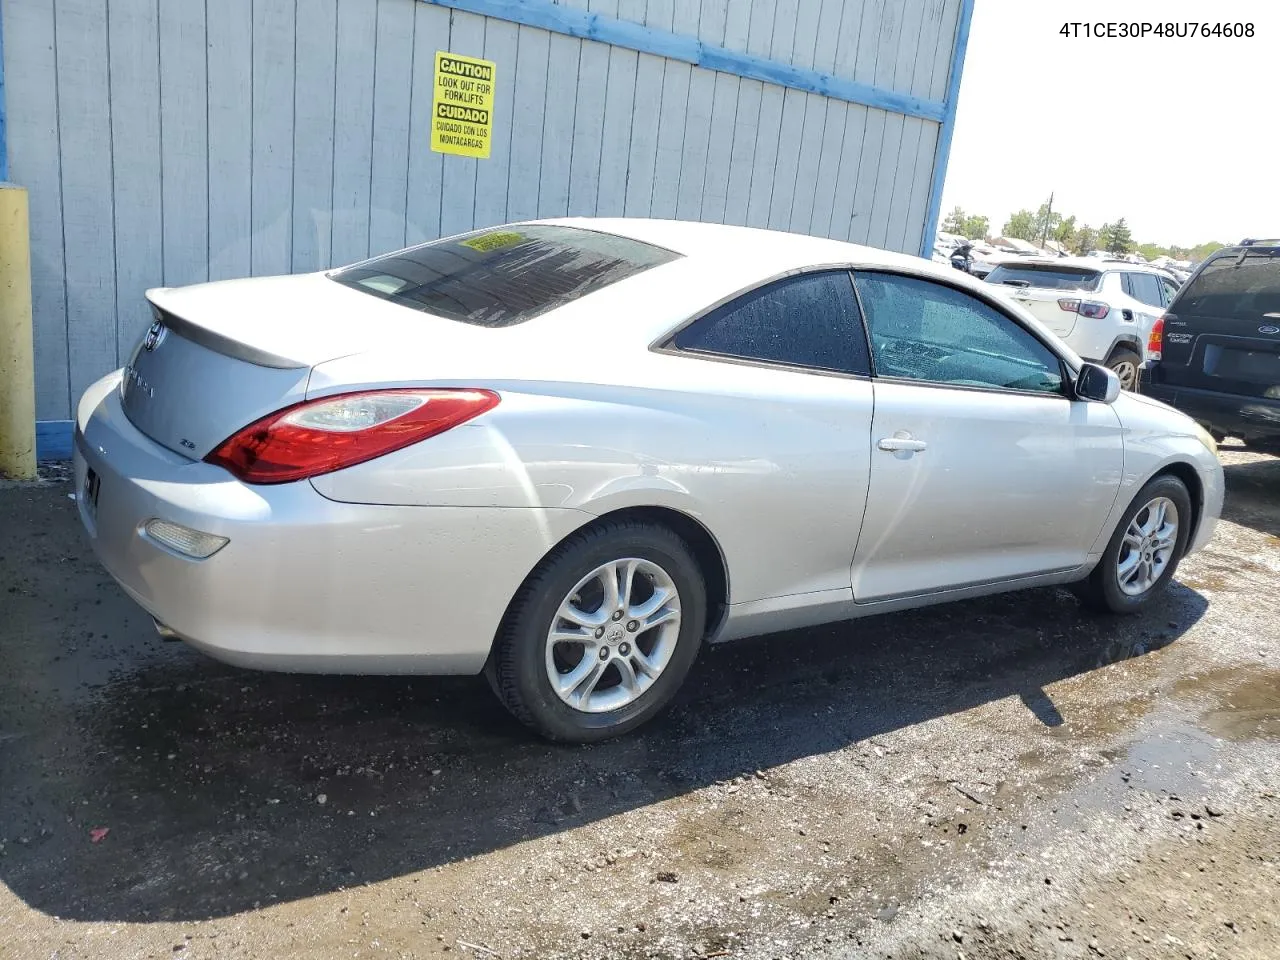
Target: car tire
[617,654]
[1114,586]
[1125,364]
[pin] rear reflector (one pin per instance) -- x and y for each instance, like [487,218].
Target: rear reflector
[1155,340]
[190,543]
[320,436]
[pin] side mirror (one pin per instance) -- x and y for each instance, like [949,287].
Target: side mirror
[1097,383]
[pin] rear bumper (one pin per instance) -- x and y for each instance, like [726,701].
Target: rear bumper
[305,583]
[1228,413]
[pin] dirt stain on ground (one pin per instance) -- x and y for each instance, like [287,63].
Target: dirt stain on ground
[1245,702]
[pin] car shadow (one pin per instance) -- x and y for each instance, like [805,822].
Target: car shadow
[1252,490]
[225,789]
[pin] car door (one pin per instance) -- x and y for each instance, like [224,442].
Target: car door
[982,467]
[783,388]
[1145,288]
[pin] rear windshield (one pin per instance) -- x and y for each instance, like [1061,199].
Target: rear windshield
[497,278]
[1231,287]
[1047,276]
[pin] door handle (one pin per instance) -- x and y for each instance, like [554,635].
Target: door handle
[901,442]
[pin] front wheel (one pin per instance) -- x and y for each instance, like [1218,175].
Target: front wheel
[602,634]
[1125,363]
[1144,551]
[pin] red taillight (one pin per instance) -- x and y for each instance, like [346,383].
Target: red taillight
[1155,340]
[320,436]
[1086,308]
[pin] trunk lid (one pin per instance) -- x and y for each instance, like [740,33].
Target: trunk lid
[221,355]
[1222,332]
[1039,285]
[1043,304]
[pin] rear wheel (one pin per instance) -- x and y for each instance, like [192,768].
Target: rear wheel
[1124,363]
[602,634]
[1144,551]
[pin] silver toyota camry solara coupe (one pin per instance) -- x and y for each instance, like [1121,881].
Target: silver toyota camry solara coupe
[566,453]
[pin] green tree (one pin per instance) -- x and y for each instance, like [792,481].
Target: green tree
[976,227]
[955,221]
[1086,239]
[973,227]
[1153,250]
[1046,223]
[1065,232]
[1198,253]
[1117,238]
[1021,226]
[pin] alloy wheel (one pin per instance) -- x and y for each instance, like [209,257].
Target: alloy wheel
[1147,547]
[613,635]
[1127,372]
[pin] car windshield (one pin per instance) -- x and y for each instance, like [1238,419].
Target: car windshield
[1048,276]
[504,276]
[1233,286]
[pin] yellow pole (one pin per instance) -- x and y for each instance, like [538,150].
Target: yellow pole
[17,360]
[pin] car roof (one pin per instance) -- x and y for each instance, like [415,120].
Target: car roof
[1089,263]
[733,244]
[720,260]
[1251,246]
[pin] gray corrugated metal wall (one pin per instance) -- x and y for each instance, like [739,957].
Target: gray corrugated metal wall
[167,142]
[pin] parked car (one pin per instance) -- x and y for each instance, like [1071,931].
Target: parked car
[983,259]
[1104,309]
[566,453]
[1220,359]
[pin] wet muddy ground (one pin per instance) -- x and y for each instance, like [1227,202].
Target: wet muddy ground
[1003,778]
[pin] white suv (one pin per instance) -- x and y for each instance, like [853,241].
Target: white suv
[1103,309]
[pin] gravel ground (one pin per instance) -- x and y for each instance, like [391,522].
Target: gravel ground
[1002,778]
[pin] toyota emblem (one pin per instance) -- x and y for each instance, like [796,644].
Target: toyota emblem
[154,336]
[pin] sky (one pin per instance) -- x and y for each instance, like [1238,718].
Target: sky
[1179,136]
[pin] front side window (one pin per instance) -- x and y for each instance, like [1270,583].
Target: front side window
[809,321]
[501,277]
[921,330]
[1170,290]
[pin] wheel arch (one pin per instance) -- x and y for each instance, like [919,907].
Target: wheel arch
[1124,340]
[706,552]
[1190,478]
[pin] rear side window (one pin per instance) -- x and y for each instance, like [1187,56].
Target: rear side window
[498,278]
[1232,287]
[1047,277]
[809,321]
[1145,287]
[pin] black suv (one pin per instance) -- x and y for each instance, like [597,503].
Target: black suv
[1221,344]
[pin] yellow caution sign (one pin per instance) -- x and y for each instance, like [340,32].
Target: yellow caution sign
[462,105]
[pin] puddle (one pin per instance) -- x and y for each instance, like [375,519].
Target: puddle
[1245,702]
[1181,747]
[1251,711]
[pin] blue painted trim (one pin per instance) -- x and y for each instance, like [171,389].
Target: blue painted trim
[4,127]
[53,439]
[663,43]
[943,152]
